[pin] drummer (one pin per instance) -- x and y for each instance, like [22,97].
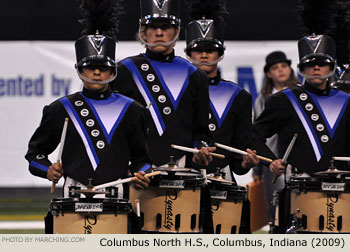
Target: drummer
[319,114]
[105,138]
[230,115]
[171,88]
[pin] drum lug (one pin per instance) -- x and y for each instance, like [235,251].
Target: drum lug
[292,229]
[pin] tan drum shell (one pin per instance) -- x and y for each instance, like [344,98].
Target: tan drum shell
[76,223]
[228,214]
[152,202]
[314,204]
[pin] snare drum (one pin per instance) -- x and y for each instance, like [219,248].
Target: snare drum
[90,216]
[171,203]
[320,206]
[226,207]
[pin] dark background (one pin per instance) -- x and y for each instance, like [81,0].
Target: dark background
[58,20]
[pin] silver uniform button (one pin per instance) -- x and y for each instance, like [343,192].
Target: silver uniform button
[167,110]
[79,103]
[95,133]
[162,98]
[320,127]
[324,138]
[144,67]
[90,123]
[212,127]
[209,115]
[100,144]
[150,77]
[155,88]
[314,117]
[40,156]
[303,96]
[84,112]
[309,106]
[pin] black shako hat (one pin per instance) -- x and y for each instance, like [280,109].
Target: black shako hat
[274,58]
[95,50]
[204,33]
[167,10]
[317,47]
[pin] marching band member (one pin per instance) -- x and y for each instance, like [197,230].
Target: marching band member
[230,117]
[230,106]
[278,76]
[104,131]
[315,111]
[173,90]
[318,113]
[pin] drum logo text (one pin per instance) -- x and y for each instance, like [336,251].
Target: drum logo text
[332,199]
[170,196]
[90,222]
[88,207]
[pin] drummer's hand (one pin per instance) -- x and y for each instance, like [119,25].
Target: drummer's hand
[55,172]
[276,167]
[141,182]
[203,157]
[250,160]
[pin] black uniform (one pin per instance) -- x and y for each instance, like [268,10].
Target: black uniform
[178,92]
[104,133]
[320,118]
[230,120]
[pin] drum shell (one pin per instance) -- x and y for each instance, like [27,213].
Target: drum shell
[112,218]
[226,207]
[319,211]
[157,200]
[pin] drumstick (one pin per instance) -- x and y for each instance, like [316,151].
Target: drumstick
[231,149]
[178,147]
[60,150]
[138,210]
[122,181]
[286,154]
[346,159]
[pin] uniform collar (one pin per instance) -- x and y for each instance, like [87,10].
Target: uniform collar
[96,95]
[160,57]
[215,80]
[317,91]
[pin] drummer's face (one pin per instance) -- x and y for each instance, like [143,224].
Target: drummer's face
[97,74]
[317,70]
[160,34]
[206,56]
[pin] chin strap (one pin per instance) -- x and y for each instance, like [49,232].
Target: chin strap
[82,77]
[159,44]
[198,63]
[322,77]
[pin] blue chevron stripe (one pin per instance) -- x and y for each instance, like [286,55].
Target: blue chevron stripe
[142,87]
[82,132]
[116,105]
[306,123]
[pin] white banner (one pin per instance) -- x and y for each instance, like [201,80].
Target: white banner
[34,74]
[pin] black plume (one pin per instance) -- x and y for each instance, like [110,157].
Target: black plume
[209,9]
[330,17]
[102,16]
